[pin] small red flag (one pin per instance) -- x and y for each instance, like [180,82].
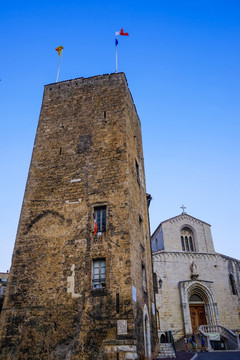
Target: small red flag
[95,224]
[123,33]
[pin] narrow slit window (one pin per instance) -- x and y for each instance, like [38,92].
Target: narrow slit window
[191,243]
[137,170]
[144,279]
[117,303]
[182,241]
[233,284]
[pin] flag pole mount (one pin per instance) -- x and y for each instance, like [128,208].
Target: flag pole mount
[59,68]
[116,60]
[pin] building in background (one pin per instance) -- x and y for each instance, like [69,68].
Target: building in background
[196,285]
[80,285]
[3,286]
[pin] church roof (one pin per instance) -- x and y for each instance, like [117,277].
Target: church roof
[178,216]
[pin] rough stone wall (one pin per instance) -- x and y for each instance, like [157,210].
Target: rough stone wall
[141,257]
[175,267]
[84,155]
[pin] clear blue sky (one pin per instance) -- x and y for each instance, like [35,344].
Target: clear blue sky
[182,64]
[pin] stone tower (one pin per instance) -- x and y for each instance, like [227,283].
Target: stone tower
[81,288]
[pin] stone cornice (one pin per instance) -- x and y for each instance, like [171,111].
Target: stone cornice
[189,255]
[195,281]
[176,254]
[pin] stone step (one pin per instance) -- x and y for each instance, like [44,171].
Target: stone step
[166,351]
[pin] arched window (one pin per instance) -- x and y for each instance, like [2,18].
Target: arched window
[233,284]
[187,240]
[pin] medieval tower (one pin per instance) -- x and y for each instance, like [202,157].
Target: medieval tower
[81,288]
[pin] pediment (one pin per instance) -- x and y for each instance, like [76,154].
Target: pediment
[185,218]
[188,219]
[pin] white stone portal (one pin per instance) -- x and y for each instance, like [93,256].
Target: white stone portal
[205,290]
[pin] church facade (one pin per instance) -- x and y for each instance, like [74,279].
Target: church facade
[195,285]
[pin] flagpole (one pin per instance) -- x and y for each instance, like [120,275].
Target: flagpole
[116,60]
[59,67]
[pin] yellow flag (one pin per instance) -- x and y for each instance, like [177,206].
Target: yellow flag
[59,50]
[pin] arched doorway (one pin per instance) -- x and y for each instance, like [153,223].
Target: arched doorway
[197,312]
[207,312]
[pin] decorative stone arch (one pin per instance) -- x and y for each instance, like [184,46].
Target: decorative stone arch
[58,218]
[147,334]
[205,290]
[186,225]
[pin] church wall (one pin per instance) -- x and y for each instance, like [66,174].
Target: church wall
[175,267]
[168,298]
[157,240]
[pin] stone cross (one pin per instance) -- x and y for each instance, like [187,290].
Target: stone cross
[183,208]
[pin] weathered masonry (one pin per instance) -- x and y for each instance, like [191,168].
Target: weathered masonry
[81,288]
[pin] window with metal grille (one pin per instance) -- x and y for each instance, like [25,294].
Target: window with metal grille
[100,215]
[98,274]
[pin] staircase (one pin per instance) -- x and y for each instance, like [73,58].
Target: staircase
[166,345]
[223,336]
[166,351]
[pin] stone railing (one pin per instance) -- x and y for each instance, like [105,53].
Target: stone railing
[209,331]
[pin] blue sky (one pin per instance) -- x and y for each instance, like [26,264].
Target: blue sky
[182,64]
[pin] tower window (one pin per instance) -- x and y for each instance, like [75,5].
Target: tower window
[98,273]
[100,215]
[187,240]
[137,171]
